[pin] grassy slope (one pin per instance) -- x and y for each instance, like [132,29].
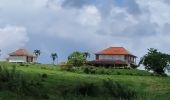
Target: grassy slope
[150,87]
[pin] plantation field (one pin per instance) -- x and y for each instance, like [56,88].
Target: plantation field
[59,84]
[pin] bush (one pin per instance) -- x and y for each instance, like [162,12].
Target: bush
[86,70]
[133,66]
[89,70]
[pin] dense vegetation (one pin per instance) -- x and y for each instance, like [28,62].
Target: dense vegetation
[53,83]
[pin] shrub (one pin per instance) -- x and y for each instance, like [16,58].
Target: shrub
[89,70]
[86,70]
[133,66]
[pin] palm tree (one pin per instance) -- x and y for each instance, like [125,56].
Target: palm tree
[54,56]
[37,53]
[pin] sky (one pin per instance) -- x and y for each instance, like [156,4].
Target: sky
[64,26]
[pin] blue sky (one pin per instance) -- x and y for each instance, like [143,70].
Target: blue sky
[64,26]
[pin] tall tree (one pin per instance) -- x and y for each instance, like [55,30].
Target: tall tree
[37,53]
[155,61]
[54,56]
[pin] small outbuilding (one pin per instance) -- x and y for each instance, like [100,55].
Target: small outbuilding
[22,56]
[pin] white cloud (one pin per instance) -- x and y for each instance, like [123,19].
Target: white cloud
[158,10]
[54,4]
[89,16]
[11,38]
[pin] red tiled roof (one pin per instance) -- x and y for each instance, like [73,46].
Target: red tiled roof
[114,51]
[21,52]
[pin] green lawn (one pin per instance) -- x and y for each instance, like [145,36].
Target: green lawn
[147,87]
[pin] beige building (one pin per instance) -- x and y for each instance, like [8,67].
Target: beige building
[22,56]
[114,56]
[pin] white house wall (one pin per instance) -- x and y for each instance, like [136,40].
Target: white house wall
[17,59]
[112,57]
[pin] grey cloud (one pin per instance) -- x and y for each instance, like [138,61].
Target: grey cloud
[131,6]
[167,1]
[77,3]
[144,29]
[166,29]
[105,5]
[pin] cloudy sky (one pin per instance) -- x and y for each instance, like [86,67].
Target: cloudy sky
[64,26]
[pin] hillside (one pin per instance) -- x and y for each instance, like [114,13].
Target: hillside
[57,83]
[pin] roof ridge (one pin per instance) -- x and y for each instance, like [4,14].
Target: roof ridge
[114,51]
[21,52]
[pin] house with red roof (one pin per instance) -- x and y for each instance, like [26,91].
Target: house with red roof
[114,56]
[22,56]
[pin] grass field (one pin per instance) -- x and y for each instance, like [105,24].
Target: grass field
[148,87]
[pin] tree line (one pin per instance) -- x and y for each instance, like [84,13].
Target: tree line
[153,60]
[76,58]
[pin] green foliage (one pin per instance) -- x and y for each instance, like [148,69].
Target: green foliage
[156,61]
[89,70]
[77,59]
[133,66]
[54,56]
